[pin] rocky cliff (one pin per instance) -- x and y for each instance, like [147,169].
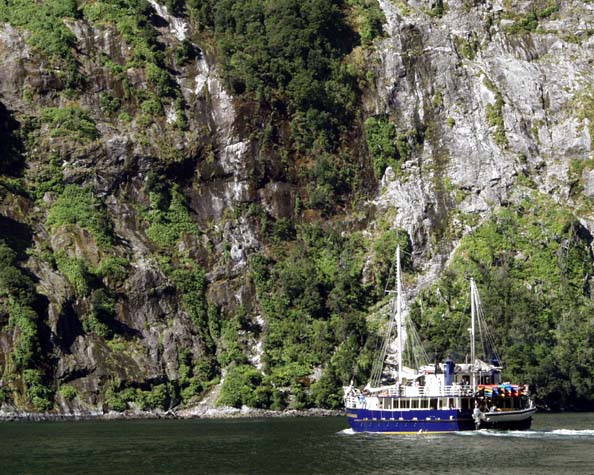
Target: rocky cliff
[196,207]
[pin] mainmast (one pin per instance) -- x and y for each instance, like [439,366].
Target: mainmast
[472,332]
[399,313]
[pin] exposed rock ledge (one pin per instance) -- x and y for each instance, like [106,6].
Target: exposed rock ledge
[197,412]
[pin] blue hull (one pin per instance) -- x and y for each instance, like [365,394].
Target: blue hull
[408,422]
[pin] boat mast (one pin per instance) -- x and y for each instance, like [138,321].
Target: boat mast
[472,331]
[399,313]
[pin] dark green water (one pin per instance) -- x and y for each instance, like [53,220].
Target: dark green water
[558,444]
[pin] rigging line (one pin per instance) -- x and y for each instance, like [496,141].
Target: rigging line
[488,336]
[377,367]
[376,373]
[491,340]
[487,340]
[391,273]
[480,316]
[463,319]
[416,348]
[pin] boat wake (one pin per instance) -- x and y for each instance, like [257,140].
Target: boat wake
[532,434]
[348,431]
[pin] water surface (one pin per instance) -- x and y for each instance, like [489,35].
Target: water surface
[557,443]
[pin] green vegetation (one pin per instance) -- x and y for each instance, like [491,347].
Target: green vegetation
[314,302]
[109,104]
[130,20]
[243,385]
[43,20]
[380,133]
[102,313]
[46,22]
[79,206]
[533,264]
[37,392]
[190,281]
[196,376]
[291,53]
[157,397]
[49,177]
[438,9]
[113,268]
[495,115]
[170,221]
[529,22]
[312,297]
[26,349]
[367,19]
[17,298]
[70,122]
[68,392]
[467,48]
[576,172]
[76,270]
[169,216]
[330,179]
[386,146]
[230,348]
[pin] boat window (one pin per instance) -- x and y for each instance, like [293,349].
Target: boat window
[414,404]
[404,404]
[424,403]
[433,403]
[451,403]
[465,403]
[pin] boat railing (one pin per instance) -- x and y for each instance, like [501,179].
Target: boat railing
[359,400]
[354,401]
[426,391]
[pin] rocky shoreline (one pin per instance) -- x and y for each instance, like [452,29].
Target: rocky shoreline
[197,412]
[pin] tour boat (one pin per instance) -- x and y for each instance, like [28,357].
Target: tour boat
[438,397]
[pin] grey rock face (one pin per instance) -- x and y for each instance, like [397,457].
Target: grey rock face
[445,75]
[211,161]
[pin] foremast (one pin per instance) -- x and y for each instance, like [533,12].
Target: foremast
[399,314]
[396,319]
[473,293]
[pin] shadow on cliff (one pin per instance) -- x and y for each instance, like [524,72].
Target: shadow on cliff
[12,162]
[16,235]
[70,327]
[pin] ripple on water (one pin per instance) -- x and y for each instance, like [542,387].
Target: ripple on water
[524,434]
[531,434]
